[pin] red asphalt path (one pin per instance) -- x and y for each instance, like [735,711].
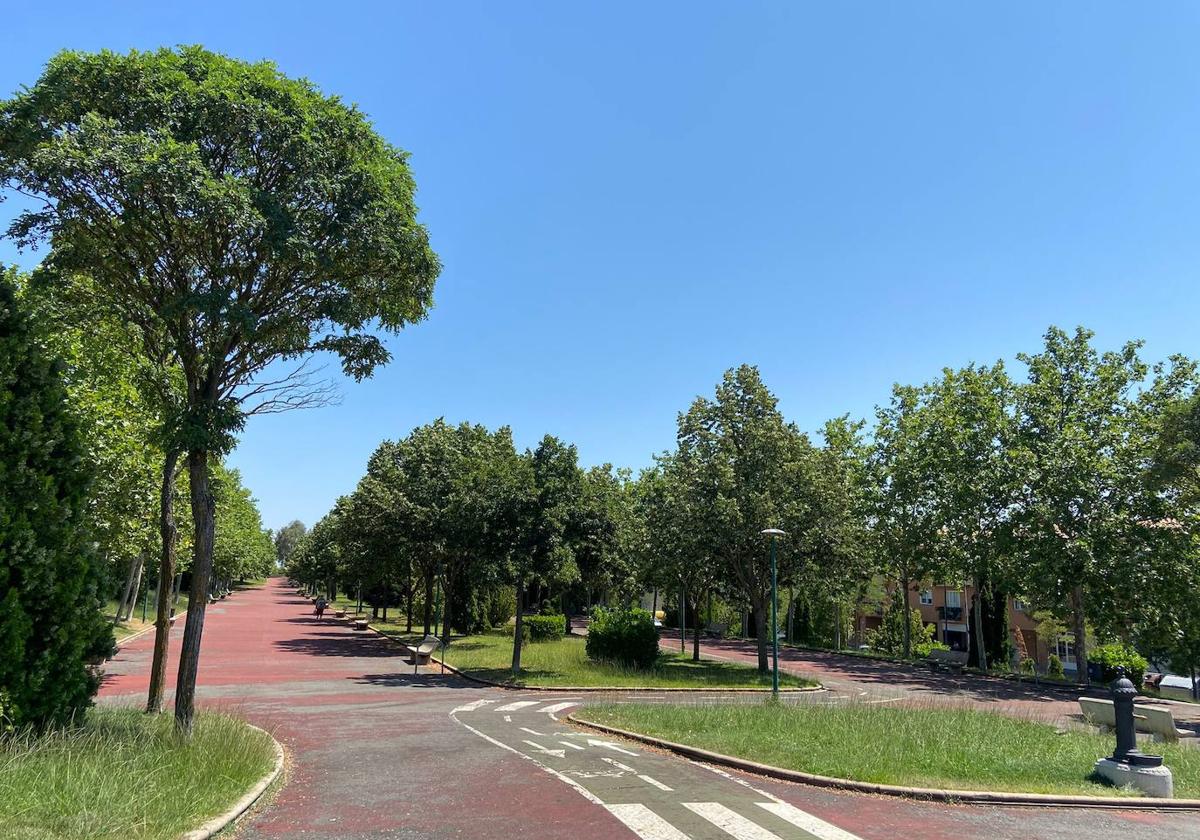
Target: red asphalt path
[375,754]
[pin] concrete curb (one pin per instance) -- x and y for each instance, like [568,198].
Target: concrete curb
[147,629]
[594,689]
[218,824]
[958,797]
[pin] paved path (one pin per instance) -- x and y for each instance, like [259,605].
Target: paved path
[378,752]
[854,676]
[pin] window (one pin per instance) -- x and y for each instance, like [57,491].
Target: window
[1019,605]
[1066,652]
[953,598]
[927,597]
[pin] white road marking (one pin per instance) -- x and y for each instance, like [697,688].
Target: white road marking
[535,732]
[729,821]
[541,749]
[520,704]
[569,744]
[645,823]
[558,707]
[470,707]
[653,782]
[650,780]
[609,745]
[584,792]
[802,819]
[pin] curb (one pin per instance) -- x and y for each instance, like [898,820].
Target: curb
[599,689]
[218,824]
[145,630]
[957,797]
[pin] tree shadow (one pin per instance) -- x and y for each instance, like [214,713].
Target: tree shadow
[401,679]
[339,644]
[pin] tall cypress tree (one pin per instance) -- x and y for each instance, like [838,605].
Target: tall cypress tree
[50,622]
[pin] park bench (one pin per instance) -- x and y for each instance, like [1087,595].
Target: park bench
[949,660]
[1153,720]
[360,624]
[423,651]
[716,631]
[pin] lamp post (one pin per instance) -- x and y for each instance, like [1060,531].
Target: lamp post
[773,533]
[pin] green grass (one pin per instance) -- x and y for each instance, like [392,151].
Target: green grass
[127,628]
[124,774]
[961,749]
[564,663]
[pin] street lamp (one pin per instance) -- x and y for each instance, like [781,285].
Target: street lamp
[773,533]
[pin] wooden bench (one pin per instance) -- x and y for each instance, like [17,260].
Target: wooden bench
[949,660]
[360,624]
[716,631]
[1153,720]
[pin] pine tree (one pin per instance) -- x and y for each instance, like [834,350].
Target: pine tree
[50,621]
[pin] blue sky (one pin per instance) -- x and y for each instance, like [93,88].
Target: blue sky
[630,198]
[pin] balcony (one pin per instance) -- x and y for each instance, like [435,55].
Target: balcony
[950,613]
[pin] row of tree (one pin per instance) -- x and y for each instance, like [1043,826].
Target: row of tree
[1074,488]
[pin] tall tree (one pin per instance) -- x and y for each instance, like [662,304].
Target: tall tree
[287,539]
[744,462]
[241,216]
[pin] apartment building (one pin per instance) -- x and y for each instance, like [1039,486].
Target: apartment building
[946,610]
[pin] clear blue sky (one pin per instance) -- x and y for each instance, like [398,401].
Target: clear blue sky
[630,198]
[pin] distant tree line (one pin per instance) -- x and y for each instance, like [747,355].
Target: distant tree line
[1074,487]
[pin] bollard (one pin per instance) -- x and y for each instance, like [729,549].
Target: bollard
[1123,693]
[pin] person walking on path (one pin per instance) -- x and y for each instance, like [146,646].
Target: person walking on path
[321,603]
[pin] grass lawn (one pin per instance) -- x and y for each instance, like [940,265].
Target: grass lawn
[127,628]
[124,774]
[924,747]
[564,663]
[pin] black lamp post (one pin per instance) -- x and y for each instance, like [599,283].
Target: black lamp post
[773,533]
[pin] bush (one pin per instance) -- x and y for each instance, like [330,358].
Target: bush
[922,649]
[502,606]
[543,628]
[1028,666]
[1112,656]
[50,620]
[1054,667]
[624,636]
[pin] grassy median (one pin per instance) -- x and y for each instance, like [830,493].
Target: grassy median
[961,749]
[565,663]
[125,774]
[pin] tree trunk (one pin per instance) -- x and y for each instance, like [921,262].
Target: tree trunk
[446,590]
[428,622]
[203,516]
[520,625]
[906,625]
[696,631]
[133,572]
[166,582]
[131,601]
[980,641]
[1081,662]
[763,632]
[408,616]
[837,625]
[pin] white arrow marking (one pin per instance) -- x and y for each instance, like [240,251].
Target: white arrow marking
[508,718]
[609,745]
[541,749]
[618,764]
[470,707]
[650,780]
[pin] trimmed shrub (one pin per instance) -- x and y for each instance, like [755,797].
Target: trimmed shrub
[50,619]
[502,606]
[543,628]
[922,649]
[1054,666]
[624,636]
[1115,655]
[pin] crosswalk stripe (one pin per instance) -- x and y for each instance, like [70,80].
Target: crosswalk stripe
[645,823]
[802,819]
[557,707]
[473,705]
[730,821]
[520,704]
